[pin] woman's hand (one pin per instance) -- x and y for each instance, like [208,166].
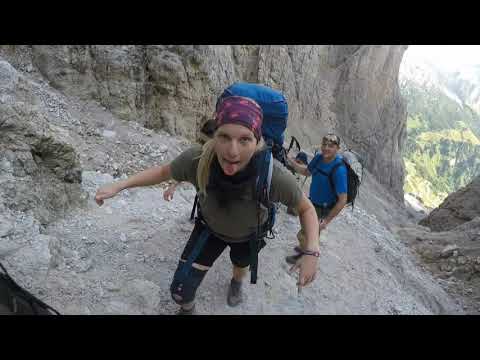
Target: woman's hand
[151,176]
[308,269]
[106,192]
[168,194]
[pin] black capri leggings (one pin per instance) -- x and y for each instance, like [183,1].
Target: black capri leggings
[214,246]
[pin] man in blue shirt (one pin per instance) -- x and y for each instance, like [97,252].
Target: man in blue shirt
[328,201]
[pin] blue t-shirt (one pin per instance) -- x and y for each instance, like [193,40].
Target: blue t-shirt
[321,192]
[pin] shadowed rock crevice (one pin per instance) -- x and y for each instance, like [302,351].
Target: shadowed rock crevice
[40,172]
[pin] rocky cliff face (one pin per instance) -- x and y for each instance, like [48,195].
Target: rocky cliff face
[39,166]
[352,90]
[449,241]
[458,208]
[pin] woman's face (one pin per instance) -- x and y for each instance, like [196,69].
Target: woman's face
[234,146]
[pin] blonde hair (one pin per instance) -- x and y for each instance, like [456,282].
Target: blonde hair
[205,163]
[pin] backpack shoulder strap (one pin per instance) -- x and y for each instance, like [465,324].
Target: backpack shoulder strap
[264,178]
[269,178]
[332,172]
[336,166]
[317,170]
[262,194]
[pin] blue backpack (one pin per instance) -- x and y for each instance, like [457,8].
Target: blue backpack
[275,113]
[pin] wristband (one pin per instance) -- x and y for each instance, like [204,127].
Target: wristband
[312,253]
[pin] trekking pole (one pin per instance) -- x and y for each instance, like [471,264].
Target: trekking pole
[299,290]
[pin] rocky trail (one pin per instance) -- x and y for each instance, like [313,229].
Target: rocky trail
[120,258]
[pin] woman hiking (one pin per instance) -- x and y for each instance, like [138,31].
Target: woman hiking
[224,173]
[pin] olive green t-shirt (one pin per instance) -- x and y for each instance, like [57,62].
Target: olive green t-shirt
[238,220]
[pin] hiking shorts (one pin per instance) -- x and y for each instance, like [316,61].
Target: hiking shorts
[214,246]
[322,212]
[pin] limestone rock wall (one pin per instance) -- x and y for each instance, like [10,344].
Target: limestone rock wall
[350,89]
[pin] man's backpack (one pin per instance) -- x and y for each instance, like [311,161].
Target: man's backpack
[275,113]
[353,182]
[15,300]
[350,159]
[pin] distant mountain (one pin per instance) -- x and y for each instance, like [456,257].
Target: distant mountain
[466,84]
[443,126]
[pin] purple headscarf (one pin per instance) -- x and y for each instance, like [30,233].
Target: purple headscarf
[240,110]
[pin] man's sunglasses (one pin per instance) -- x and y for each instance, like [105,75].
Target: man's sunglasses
[332,138]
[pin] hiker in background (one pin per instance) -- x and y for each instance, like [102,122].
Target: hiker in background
[206,133]
[224,172]
[328,198]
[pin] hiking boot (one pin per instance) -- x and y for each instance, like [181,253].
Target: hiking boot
[234,296]
[183,311]
[292,259]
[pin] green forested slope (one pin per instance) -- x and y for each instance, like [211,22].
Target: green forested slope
[442,152]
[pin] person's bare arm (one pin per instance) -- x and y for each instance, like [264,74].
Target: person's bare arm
[152,176]
[309,221]
[340,204]
[299,168]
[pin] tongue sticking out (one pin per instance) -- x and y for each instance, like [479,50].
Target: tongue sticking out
[230,168]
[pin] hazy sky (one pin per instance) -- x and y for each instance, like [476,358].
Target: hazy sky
[447,56]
